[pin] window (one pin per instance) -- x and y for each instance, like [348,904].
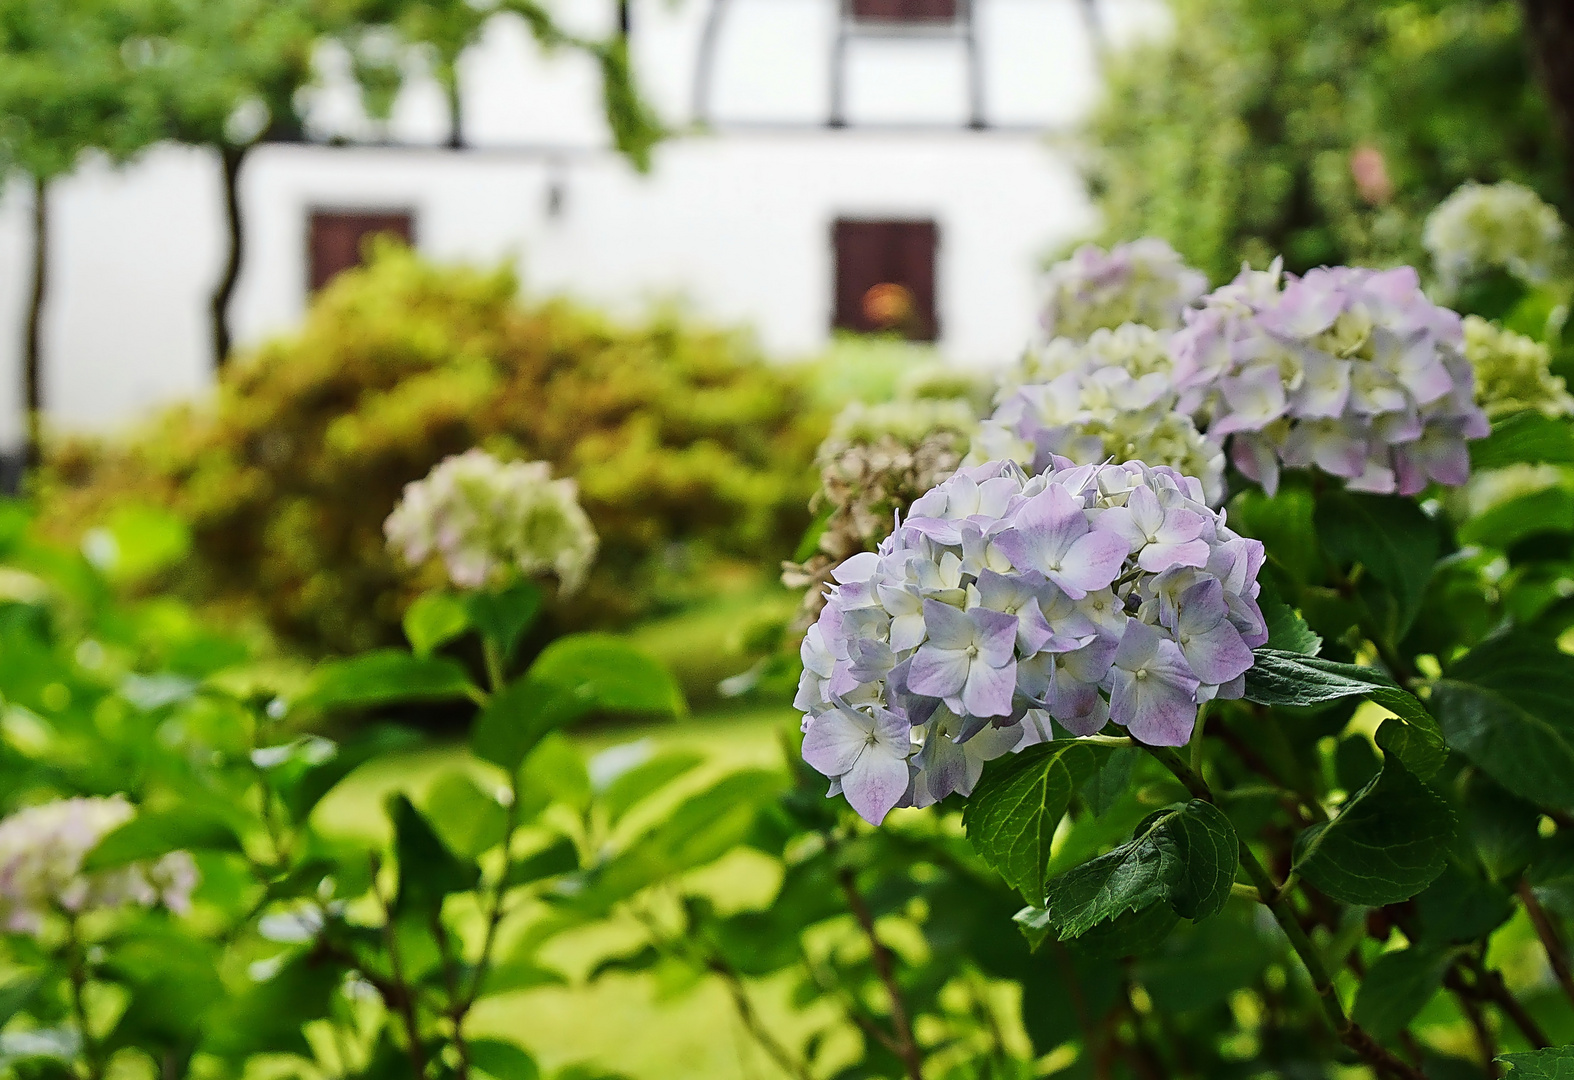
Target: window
[336,239]
[885,277]
[904,11]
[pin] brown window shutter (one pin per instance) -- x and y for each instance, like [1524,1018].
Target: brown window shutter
[885,277]
[899,11]
[336,239]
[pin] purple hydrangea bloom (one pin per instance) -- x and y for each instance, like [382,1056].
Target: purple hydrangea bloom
[1010,606]
[1353,372]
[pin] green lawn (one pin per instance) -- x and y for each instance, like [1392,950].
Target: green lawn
[634,1024]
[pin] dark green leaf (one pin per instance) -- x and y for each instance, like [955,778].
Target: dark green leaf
[1279,678]
[1506,706]
[15,995]
[1287,631]
[1202,965]
[1392,538]
[1111,781]
[1550,510]
[1185,856]
[1396,988]
[503,1060]
[435,619]
[1133,933]
[152,834]
[266,1017]
[378,741]
[1387,844]
[503,616]
[1460,906]
[558,857]
[1554,1064]
[1524,437]
[1019,801]
[383,677]
[428,870]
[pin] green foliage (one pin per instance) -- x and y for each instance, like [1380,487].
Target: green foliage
[685,446]
[1239,138]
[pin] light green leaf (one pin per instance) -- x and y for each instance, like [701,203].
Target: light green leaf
[1392,538]
[1556,1063]
[1506,706]
[1550,510]
[1185,856]
[645,779]
[435,619]
[1396,988]
[1012,813]
[502,1060]
[155,833]
[1388,843]
[469,820]
[384,677]
[1280,678]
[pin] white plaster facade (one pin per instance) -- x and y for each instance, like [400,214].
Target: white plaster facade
[734,222]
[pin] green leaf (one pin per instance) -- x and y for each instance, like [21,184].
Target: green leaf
[377,741]
[1550,510]
[1017,804]
[383,677]
[428,869]
[1185,856]
[267,1016]
[1556,1063]
[503,616]
[469,820]
[1524,437]
[151,834]
[1392,538]
[137,542]
[1287,631]
[574,676]
[1505,705]
[645,779]
[503,1060]
[435,619]
[1111,781]
[15,995]
[1396,988]
[1279,678]
[558,857]
[1388,843]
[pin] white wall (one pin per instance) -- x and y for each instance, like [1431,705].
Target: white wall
[734,224]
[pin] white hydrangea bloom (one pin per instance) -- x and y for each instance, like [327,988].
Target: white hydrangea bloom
[1490,226]
[485,518]
[42,849]
[1111,397]
[1144,282]
[1513,372]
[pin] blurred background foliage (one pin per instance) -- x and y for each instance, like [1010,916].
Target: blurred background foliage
[1322,130]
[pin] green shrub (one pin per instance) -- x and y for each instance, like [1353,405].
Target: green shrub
[1238,138]
[686,446]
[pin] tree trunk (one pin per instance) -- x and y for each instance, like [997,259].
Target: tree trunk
[32,351]
[449,77]
[1549,28]
[231,157]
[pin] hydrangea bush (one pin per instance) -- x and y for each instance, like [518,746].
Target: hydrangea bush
[1502,226]
[1144,281]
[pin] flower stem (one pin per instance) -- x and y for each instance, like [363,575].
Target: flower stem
[1274,897]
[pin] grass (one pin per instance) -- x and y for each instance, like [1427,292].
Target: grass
[645,1025]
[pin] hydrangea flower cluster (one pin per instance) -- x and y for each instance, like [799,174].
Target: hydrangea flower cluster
[41,853]
[877,460]
[1112,397]
[485,518]
[1349,370]
[1484,227]
[1513,372]
[1083,596]
[1143,282]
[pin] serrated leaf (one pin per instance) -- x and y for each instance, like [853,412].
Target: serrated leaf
[1280,678]
[1389,842]
[1556,1063]
[1185,856]
[1017,803]
[1287,631]
[1396,988]
[1505,706]
[435,619]
[383,677]
[1392,538]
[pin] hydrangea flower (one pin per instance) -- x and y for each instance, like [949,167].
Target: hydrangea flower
[1350,371]
[1007,606]
[1513,372]
[42,849]
[1110,398]
[1143,282]
[485,518]
[875,462]
[1484,227]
